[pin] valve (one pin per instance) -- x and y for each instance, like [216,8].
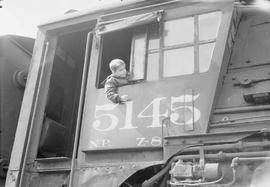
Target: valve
[183,172]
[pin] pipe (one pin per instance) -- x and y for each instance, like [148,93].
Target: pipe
[241,109]
[222,155]
[200,183]
[227,184]
[254,159]
[155,178]
[239,145]
[163,182]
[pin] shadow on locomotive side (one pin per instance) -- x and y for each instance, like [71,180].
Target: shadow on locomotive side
[199,108]
[15,56]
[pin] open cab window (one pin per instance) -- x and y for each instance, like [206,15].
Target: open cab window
[128,45]
[135,46]
[128,40]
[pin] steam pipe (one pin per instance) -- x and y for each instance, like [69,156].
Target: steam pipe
[254,159]
[239,145]
[241,109]
[222,155]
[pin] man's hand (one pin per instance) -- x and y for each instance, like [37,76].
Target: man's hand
[124,98]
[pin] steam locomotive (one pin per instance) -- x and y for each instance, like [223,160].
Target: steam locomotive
[15,56]
[199,110]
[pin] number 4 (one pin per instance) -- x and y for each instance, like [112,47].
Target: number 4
[155,114]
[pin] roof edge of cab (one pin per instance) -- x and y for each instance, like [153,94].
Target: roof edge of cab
[121,6]
[100,10]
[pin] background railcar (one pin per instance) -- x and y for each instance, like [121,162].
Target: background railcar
[15,56]
[199,108]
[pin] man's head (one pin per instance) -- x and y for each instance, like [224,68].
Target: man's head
[118,67]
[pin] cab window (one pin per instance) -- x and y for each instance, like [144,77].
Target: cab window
[114,45]
[131,46]
[189,44]
[186,47]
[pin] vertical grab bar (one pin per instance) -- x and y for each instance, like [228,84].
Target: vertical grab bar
[80,107]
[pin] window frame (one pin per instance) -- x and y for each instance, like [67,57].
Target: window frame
[132,53]
[196,43]
[160,50]
[131,63]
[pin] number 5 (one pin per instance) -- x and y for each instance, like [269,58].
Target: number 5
[97,124]
[175,117]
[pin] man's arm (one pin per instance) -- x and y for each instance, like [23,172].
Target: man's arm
[111,92]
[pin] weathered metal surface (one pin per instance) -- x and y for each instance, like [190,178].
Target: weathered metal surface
[174,144]
[53,164]
[109,175]
[49,179]
[246,86]
[114,141]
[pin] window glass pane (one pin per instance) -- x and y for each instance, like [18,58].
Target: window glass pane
[139,50]
[153,66]
[208,25]
[205,56]
[178,62]
[179,31]
[153,36]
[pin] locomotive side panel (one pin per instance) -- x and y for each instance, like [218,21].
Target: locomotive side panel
[134,131]
[179,94]
[244,101]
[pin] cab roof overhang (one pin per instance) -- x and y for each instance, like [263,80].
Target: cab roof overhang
[91,15]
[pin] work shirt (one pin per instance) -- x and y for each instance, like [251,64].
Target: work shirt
[112,83]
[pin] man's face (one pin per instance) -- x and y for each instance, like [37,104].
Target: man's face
[121,71]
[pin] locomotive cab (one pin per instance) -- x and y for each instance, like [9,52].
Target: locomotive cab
[180,126]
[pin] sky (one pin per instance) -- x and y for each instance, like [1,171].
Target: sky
[21,17]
